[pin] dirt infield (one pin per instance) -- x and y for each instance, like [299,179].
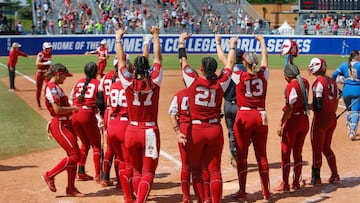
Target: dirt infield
[20,176]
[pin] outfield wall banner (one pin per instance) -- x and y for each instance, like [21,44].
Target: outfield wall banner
[79,44]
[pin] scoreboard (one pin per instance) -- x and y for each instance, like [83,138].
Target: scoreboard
[329,5]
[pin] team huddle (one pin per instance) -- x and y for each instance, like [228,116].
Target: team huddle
[121,106]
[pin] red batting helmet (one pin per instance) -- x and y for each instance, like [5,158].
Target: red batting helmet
[289,47]
[317,65]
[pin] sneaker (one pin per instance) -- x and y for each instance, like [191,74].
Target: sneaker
[334,178]
[239,196]
[267,197]
[295,186]
[12,90]
[283,187]
[315,181]
[106,183]
[186,200]
[83,177]
[97,179]
[352,136]
[49,182]
[147,39]
[74,192]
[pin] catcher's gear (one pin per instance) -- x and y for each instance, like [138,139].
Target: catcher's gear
[317,65]
[48,130]
[289,47]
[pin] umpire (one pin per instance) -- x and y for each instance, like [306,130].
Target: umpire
[230,107]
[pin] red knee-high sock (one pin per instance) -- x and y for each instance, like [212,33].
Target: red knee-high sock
[125,175]
[285,172]
[136,181]
[71,172]
[332,164]
[206,179]
[116,168]
[297,173]
[96,158]
[144,187]
[185,183]
[198,185]
[83,155]
[60,167]
[107,162]
[216,186]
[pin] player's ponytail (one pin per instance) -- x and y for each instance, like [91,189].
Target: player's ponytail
[350,60]
[252,61]
[90,70]
[209,65]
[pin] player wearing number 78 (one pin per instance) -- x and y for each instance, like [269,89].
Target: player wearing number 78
[206,91]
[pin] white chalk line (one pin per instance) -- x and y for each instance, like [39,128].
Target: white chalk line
[162,152]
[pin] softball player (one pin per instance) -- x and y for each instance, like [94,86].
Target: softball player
[230,107]
[105,83]
[206,91]
[142,137]
[348,71]
[118,122]
[180,120]
[251,120]
[61,129]
[103,56]
[324,105]
[289,49]
[85,95]
[43,62]
[294,126]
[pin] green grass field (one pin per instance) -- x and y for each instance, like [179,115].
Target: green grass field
[22,129]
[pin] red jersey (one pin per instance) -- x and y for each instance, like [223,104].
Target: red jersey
[205,96]
[117,100]
[44,57]
[326,88]
[293,95]
[251,89]
[89,96]
[106,82]
[179,106]
[55,94]
[102,54]
[142,97]
[13,57]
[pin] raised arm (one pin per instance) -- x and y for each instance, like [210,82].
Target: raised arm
[119,47]
[182,50]
[155,31]
[146,44]
[232,53]
[264,54]
[220,51]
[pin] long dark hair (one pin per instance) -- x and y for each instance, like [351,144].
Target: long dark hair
[351,57]
[90,70]
[209,65]
[142,69]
